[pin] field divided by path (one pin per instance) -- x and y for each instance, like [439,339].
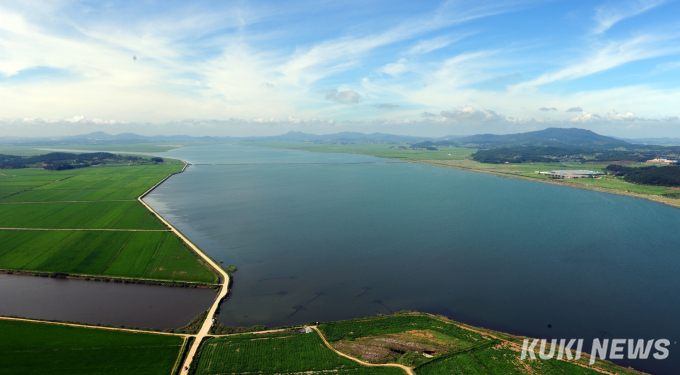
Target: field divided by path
[38,348]
[283,353]
[453,348]
[87,222]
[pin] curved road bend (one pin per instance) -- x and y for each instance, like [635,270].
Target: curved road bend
[406,369]
[205,328]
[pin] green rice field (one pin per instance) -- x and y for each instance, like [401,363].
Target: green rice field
[148,255]
[284,353]
[81,215]
[87,221]
[38,348]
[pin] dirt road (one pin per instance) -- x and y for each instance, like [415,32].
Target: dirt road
[207,324]
[408,370]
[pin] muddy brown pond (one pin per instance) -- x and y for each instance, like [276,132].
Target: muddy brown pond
[98,302]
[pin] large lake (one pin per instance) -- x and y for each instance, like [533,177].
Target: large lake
[320,237]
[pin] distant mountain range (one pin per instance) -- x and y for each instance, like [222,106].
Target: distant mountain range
[104,138]
[549,137]
[654,141]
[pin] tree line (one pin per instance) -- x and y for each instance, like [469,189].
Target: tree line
[61,160]
[536,154]
[659,176]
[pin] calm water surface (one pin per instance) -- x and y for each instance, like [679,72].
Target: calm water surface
[93,302]
[321,237]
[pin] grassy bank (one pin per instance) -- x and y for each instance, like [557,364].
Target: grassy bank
[436,345]
[40,348]
[87,222]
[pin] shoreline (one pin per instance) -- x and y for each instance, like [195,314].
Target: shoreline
[559,182]
[458,164]
[224,285]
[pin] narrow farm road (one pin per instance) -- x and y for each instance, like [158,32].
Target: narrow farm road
[83,229]
[408,370]
[207,324]
[44,202]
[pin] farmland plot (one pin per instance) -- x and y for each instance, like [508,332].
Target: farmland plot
[87,221]
[38,348]
[277,354]
[450,347]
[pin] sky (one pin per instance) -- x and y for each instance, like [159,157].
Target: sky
[427,68]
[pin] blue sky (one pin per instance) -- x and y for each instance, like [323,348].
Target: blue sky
[266,67]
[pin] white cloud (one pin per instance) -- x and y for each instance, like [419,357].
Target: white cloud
[272,120]
[80,118]
[665,67]
[608,56]
[615,116]
[467,113]
[586,117]
[609,14]
[394,69]
[612,116]
[108,122]
[196,64]
[429,45]
[337,55]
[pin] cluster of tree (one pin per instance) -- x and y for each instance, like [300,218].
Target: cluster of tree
[660,176]
[537,154]
[616,155]
[61,160]
[617,170]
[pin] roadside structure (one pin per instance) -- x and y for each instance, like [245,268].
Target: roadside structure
[662,161]
[570,174]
